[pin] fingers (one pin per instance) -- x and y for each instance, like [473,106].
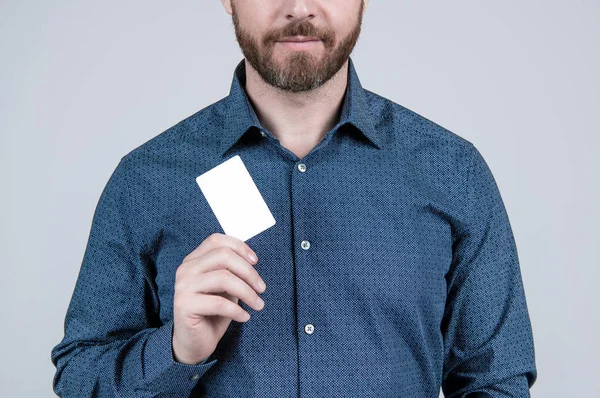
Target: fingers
[223,280]
[199,305]
[217,259]
[221,240]
[212,278]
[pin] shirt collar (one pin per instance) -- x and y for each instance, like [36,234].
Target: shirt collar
[240,116]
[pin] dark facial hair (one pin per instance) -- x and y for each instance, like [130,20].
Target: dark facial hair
[301,70]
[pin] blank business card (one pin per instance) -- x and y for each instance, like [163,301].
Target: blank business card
[235,199]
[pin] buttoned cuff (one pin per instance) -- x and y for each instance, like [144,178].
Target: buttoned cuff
[162,373]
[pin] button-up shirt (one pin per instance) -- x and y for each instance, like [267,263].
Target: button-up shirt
[391,270]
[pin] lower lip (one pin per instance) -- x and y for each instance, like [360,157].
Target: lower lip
[300,45]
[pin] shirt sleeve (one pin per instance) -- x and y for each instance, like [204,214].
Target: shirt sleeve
[488,341]
[114,342]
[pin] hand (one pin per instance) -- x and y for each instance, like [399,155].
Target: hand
[208,285]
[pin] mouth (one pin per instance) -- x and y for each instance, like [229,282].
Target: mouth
[299,39]
[300,43]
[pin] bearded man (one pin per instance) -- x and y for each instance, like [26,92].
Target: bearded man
[390,269]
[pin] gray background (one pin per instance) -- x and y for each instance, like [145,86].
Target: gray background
[83,83]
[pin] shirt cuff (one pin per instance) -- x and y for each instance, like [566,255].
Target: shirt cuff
[162,373]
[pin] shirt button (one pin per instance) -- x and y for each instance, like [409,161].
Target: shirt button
[302,167]
[263,133]
[195,377]
[305,244]
[309,329]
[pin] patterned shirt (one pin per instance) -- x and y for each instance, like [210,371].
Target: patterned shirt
[391,271]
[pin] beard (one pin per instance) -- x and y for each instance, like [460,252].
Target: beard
[299,70]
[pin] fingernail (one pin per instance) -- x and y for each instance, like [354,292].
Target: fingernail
[252,257]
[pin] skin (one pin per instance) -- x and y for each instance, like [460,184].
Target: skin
[297,94]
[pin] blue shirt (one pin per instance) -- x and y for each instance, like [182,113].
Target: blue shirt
[391,270]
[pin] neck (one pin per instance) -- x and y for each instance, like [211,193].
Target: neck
[297,119]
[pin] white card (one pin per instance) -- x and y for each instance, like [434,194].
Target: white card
[235,199]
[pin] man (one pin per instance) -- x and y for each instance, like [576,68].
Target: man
[391,270]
